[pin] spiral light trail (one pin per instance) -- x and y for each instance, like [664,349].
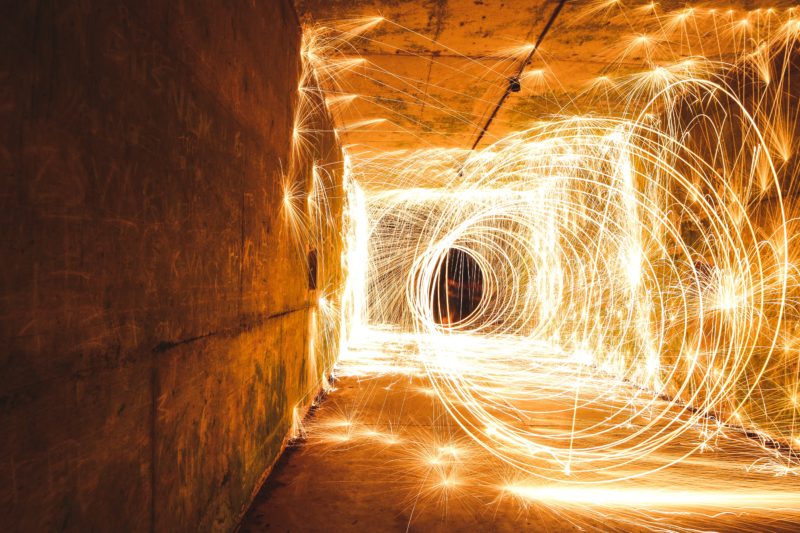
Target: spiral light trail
[645,256]
[579,229]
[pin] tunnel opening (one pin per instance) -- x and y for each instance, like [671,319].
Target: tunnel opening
[457,289]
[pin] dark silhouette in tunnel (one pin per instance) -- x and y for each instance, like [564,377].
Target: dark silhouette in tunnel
[459,288]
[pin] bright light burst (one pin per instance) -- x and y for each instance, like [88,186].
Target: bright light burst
[590,254]
[645,258]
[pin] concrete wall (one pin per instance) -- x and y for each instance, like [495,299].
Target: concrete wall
[154,310]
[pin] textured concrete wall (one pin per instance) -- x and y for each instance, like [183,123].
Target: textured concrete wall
[154,311]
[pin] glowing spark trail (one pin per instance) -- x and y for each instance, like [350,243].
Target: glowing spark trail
[641,265]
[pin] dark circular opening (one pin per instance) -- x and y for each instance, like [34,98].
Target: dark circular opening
[459,288]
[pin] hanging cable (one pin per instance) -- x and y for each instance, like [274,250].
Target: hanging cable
[514,84]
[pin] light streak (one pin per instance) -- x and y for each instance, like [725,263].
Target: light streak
[664,498]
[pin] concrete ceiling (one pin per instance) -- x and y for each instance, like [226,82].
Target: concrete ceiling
[434,70]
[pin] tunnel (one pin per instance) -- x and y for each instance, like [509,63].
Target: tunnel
[398,265]
[458,288]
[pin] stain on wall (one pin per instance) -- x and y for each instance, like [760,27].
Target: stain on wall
[154,310]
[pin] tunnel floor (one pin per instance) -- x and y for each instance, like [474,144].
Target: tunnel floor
[380,453]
